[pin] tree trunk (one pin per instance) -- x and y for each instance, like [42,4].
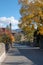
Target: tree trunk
[41,42]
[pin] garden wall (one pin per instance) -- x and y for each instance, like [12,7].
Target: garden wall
[2,52]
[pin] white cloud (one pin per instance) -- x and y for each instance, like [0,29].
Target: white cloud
[1,25]
[5,21]
[8,20]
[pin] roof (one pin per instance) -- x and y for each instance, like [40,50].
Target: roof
[16,31]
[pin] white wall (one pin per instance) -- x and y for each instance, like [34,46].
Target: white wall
[2,52]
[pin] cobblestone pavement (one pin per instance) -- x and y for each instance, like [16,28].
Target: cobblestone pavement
[24,56]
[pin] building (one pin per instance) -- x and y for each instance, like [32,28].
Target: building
[18,32]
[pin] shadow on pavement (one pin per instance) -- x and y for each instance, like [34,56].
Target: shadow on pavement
[35,55]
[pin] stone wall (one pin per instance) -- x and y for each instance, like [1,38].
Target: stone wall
[2,52]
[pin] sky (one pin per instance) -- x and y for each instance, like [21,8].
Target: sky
[9,13]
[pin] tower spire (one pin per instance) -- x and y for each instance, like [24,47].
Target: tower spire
[10,26]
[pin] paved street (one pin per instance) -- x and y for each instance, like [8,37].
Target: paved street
[19,55]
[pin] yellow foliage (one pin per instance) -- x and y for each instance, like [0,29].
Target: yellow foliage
[41,30]
[32,27]
[36,19]
[22,10]
[12,37]
[33,12]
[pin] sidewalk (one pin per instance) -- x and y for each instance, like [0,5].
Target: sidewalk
[17,56]
[16,60]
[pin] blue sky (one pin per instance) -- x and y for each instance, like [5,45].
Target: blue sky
[9,12]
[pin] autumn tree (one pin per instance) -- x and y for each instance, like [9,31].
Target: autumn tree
[31,13]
